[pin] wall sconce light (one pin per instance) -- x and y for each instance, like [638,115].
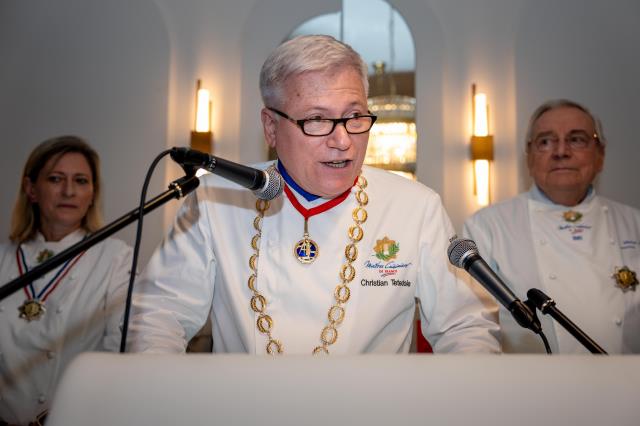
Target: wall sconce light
[481,147]
[201,136]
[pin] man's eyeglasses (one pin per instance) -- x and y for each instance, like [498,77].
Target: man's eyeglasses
[577,141]
[325,126]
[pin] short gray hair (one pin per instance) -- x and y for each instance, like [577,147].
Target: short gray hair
[563,103]
[302,54]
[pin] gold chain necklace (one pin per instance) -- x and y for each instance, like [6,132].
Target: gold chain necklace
[336,314]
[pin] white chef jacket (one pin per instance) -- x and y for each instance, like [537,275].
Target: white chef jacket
[527,241]
[82,314]
[202,268]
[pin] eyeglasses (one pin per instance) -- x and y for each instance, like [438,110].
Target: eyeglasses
[325,126]
[577,141]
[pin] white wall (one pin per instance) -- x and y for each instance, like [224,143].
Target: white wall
[589,52]
[99,70]
[123,73]
[479,47]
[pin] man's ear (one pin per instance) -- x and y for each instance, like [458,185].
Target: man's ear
[268,127]
[30,189]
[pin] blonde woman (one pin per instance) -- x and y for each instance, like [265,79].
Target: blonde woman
[77,306]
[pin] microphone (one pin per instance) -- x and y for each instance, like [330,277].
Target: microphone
[265,184]
[463,253]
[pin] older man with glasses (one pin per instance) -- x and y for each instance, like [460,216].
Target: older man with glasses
[579,248]
[333,266]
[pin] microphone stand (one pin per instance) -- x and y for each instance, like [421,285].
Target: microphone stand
[547,305]
[177,189]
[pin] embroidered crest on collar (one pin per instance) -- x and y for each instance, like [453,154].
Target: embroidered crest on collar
[571,216]
[572,225]
[44,255]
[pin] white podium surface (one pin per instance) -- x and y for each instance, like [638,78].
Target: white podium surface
[136,389]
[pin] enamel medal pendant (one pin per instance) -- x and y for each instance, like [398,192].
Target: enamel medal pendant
[306,250]
[31,310]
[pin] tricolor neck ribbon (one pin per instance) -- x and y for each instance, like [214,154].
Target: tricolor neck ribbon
[292,183]
[307,213]
[52,284]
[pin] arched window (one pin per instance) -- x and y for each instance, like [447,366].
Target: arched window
[380,34]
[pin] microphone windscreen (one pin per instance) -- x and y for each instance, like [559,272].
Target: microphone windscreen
[460,249]
[274,186]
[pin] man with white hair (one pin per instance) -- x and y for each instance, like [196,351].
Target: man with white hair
[579,248]
[332,266]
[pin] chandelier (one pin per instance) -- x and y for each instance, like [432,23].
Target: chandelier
[392,139]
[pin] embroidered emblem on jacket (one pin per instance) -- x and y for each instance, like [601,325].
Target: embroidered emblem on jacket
[44,255]
[385,253]
[386,249]
[571,216]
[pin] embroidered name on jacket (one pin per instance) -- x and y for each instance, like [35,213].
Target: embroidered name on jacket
[576,231]
[385,283]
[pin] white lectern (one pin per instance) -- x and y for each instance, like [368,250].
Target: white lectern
[113,389]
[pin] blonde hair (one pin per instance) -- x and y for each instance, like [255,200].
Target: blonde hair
[25,220]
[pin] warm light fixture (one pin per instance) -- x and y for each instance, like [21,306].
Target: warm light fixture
[481,147]
[201,136]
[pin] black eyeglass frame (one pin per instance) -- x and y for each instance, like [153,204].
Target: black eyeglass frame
[335,121]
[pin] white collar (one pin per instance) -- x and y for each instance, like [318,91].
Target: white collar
[536,194]
[57,246]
